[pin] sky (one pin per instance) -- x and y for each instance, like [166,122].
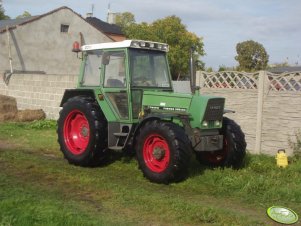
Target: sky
[276,24]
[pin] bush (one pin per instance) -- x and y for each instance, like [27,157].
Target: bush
[42,124]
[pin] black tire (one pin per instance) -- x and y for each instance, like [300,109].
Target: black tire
[82,132]
[234,151]
[163,151]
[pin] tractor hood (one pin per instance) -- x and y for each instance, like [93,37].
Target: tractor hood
[166,101]
[199,108]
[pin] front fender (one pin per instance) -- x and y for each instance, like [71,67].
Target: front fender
[169,117]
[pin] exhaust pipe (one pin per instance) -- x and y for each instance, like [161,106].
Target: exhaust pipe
[192,71]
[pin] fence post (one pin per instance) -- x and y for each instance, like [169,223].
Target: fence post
[197,78]
[261,86]
[200,79]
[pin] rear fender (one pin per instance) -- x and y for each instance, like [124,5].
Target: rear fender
[69,93]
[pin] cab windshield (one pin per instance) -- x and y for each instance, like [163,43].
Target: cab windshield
[149,69]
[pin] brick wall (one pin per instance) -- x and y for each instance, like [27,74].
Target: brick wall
[39,91]
[45,92]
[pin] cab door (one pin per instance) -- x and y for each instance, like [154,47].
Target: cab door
[115,83]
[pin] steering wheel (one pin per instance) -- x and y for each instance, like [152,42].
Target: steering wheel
[143,81]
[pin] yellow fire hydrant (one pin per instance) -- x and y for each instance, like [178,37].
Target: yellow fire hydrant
[281,158]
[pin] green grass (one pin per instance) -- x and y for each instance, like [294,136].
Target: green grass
[39,187]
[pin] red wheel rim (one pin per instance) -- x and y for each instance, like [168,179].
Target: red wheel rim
[217,157]
[156,153]
[76,132]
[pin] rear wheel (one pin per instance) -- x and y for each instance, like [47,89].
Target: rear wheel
[234,148]
[163,151]
[82,132]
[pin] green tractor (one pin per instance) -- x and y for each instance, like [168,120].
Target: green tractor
[124,101]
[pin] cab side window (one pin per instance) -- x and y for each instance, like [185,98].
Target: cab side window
[114,69]
[92,68]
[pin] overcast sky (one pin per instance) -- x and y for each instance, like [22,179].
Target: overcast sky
[222,23]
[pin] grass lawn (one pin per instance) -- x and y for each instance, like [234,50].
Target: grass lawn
[39,187]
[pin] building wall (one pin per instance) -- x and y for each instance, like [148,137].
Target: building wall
[41,46]
[43,53]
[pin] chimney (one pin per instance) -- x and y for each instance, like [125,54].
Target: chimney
[111,19]
[89,15]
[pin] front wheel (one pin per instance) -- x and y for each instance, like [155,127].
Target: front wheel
[234,148]
[163,151]
[82,132]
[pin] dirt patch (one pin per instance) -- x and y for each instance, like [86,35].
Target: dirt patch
[5,145]
[10,112]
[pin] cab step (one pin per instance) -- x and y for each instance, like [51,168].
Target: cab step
[116,148]
[120,134]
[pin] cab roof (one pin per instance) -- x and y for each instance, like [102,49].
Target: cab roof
[138,44]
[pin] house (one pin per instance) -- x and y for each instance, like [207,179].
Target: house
[36,61]
[112,30]
[284,69]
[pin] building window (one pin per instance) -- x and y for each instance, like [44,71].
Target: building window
[64,28]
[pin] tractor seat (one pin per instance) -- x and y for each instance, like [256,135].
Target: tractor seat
[114,83]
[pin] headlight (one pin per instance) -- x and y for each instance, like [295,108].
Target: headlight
[217,123]
[149,45]
[135,44]
[205,124]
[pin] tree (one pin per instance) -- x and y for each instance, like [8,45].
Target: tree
[222,68]
[25,14]
[251,56]
[2,12]
[209,69]
[125,19]
[226,68]
[170,30]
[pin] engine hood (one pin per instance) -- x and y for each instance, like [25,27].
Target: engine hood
[198,107]
[166,101]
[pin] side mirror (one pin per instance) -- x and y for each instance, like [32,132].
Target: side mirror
[105,58]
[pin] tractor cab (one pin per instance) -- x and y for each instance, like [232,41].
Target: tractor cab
[122,70]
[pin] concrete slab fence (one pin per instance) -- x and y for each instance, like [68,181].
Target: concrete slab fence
[267,105]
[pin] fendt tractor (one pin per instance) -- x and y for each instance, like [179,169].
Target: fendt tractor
[124,100]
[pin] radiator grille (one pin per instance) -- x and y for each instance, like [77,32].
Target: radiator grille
[215,109]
